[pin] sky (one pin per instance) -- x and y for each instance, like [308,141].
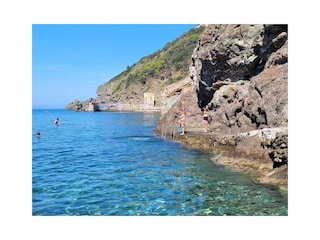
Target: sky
[70,61]
[21,88]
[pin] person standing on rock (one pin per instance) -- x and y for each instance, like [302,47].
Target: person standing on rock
[182,121]
[206,118]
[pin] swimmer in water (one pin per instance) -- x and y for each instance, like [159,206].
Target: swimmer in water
[56,122]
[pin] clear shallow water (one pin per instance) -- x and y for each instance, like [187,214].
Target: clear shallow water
[114,164]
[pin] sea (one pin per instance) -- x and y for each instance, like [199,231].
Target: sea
[115,164]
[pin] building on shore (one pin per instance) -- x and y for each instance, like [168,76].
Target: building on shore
[92,107]
[148,101]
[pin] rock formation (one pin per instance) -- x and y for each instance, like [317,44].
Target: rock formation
[241,73]
[78,105]
[152,74]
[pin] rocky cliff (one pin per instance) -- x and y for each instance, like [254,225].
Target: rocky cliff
[241,73]
[152,74]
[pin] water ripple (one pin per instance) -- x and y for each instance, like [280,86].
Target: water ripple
[88,167]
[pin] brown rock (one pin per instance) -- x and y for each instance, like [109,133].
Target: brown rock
[241,72]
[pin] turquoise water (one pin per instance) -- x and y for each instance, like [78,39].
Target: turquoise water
[114,164]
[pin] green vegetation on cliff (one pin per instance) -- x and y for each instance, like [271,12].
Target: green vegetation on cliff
[151,73]
[165,66]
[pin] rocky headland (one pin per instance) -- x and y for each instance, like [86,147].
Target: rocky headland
[151,74]
[240,72]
